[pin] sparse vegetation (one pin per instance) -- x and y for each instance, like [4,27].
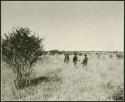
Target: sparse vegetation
[118,94]
[54,80]
[80,54]
[119,55]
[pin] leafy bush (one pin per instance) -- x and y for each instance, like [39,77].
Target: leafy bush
[53,52]
[20,49]
[119,55]
[118,94]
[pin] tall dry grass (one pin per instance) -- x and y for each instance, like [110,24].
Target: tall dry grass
[101,80]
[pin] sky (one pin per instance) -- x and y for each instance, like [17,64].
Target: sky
[69,25]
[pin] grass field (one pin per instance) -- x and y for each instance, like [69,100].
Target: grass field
[102,79]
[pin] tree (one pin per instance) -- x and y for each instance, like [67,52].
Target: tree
[20,49]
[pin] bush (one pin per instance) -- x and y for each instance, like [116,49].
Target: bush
[20,49]
[53,52]
[118,94]
[119,55]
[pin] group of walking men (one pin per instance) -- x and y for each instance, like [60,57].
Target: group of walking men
[75,59]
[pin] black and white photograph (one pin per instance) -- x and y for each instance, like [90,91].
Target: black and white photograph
[62,50]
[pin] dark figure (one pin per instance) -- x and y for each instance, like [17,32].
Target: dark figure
[85,60]
[66,59]
[75,59]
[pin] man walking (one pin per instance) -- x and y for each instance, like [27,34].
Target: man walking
[75,59]
[85,60]
[66,59]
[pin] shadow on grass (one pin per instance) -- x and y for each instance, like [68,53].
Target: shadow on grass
[118,95]
[38,80]
[48,78]
[45,79]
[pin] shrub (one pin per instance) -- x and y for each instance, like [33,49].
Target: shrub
[119,55]
[20,49]
[118,94]
[53,52]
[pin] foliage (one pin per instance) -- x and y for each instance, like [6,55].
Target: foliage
[118,94]
[53,52]
[119,55]
[20,49]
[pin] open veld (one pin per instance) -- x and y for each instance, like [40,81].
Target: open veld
[52,79]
